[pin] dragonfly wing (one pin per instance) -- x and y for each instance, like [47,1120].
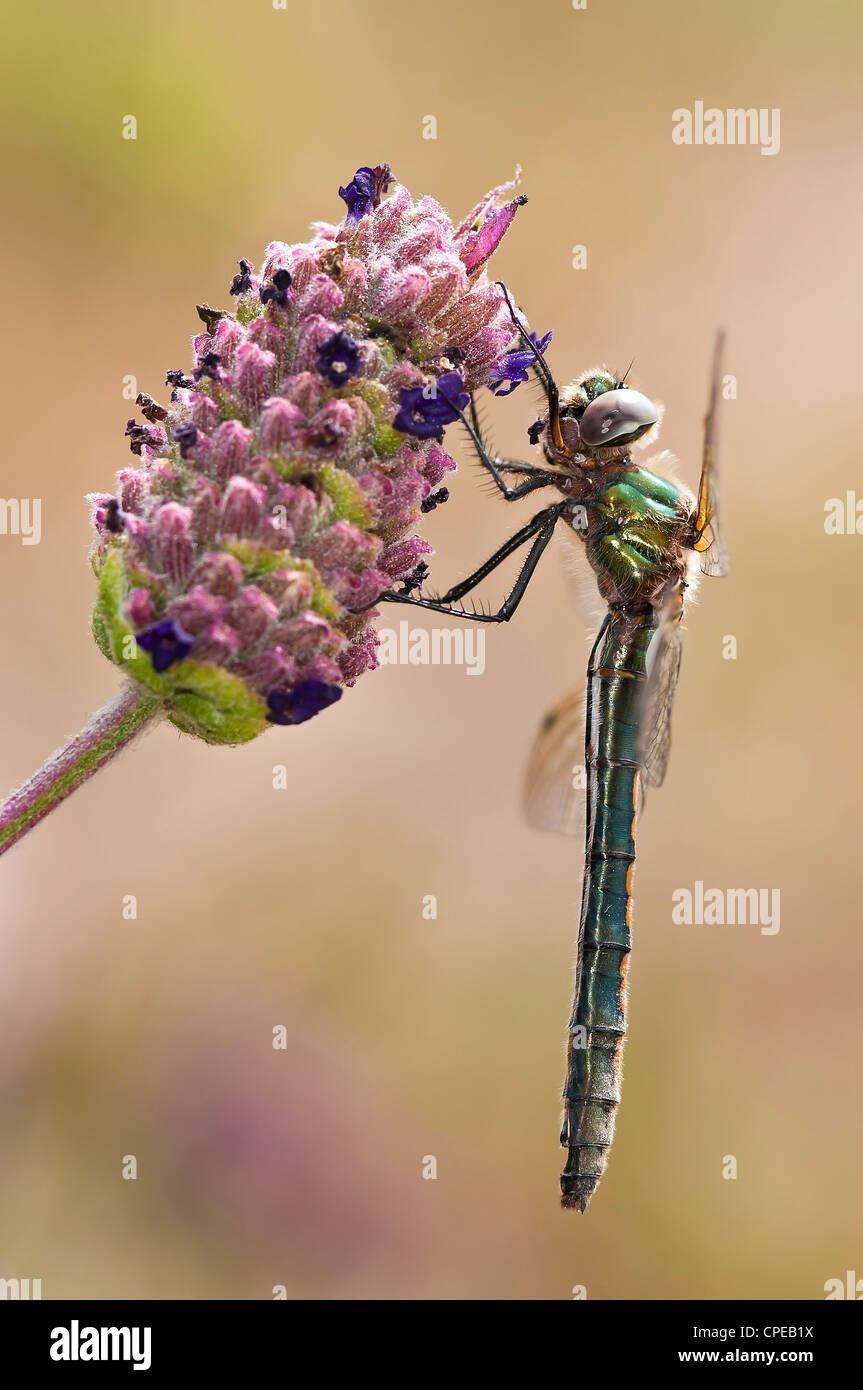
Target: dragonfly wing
[708,536]
[663,669]
[554,784]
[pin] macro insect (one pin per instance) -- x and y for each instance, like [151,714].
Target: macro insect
[645,538]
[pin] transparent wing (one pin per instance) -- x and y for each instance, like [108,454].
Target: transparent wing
[708,536]
[555,792]
[579,579]
[555,779]
[663,669]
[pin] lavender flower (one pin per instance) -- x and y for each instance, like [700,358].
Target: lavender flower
[281,487]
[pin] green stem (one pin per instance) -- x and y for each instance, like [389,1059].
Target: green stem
[110,729]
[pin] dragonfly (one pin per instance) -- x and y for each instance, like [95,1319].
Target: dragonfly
[646,539]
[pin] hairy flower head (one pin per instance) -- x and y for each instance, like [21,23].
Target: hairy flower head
[282,483]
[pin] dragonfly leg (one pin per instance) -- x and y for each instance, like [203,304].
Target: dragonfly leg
[528,470]
[534,477]
[543,371]
[540,528]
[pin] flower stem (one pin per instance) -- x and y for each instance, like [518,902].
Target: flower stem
[110,729]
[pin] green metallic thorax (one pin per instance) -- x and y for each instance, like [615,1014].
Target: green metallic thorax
[636,519]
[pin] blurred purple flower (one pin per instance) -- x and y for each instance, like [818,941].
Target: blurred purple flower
[166,642]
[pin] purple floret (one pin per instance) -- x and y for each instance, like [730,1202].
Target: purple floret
[365,190]
[303,702]
[339,358]
[512,369]
[166,642]
[242,283]
[276,290]
[424,410]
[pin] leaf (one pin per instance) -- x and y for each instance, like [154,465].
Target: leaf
[214,705]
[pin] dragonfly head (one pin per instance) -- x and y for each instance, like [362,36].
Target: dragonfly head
[598,413]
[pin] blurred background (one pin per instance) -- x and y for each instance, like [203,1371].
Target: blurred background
[408,1037]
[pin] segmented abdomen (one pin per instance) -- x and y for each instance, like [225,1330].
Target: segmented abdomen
[616,677]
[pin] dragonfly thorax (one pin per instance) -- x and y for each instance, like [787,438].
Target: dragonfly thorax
[636,523]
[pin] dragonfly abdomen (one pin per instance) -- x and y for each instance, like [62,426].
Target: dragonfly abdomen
[616,677]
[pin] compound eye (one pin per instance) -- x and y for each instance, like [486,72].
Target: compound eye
[617,417]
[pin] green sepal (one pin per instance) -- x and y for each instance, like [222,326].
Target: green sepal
[349,501]
[257,562]
[247,313]
[386,440]
[322,602]
[213,704]
[374,393]
[385,343]
[202,700]
[100,632]
[420,349]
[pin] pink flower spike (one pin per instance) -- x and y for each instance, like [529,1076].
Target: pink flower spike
[196,610]
[172,541]
[287,475]
[253,375]
[219,645]
[230,450]
[399,559]
[142,611]
[251,614]
[242,508]
[480,244]
[484,207]
[220,573]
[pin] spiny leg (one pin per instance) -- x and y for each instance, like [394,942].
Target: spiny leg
[530,470]
[541,528]
[543,371]
[535,477]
